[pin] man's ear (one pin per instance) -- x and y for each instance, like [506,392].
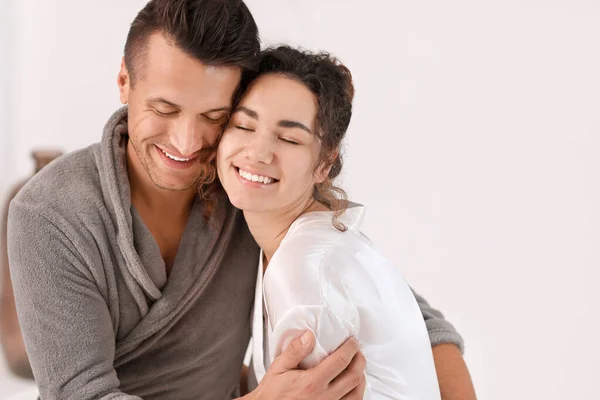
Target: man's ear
[124,83]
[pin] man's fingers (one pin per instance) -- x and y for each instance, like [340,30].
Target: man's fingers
[351,383]
[293,355]
[336,362]
[357,393]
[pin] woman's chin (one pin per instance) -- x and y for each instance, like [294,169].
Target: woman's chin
[244,204]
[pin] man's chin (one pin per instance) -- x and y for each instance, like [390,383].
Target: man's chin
[178,188]
[175,185]
[176,182]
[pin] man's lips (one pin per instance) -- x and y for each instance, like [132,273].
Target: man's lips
[174,161]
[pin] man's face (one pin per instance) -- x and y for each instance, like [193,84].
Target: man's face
[177,108]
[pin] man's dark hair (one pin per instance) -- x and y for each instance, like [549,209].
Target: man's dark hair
[216,32]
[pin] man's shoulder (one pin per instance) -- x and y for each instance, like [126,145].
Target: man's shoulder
[68,183]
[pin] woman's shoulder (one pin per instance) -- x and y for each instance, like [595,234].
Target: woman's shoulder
[296,268]
[297,262]
[316,233]
[309,247]
[328,258]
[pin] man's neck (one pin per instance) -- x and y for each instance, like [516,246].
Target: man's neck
[164,212]
[162,204]
[269,228]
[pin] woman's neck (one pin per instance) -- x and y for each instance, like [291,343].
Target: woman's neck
[269,228]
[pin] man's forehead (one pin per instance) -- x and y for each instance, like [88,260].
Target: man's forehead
[163,56]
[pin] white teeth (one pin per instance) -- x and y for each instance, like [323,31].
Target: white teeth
[254,178]
[172,157]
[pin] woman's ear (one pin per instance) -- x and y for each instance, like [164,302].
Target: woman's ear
[322,172]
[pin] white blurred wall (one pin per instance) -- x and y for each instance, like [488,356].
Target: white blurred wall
[5,79]
[474,145]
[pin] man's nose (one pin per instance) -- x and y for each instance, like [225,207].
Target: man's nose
[188,137]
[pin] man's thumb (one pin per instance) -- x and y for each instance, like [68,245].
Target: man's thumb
[295,352]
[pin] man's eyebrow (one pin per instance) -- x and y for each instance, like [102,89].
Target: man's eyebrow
[228,109]
[170,103]
[162,100]
[293,124]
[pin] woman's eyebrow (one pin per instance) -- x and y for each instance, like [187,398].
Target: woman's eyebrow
[247,111]
[284,123]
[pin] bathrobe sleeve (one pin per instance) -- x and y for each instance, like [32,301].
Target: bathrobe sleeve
[65,320]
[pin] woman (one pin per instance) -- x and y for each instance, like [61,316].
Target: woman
[276,161]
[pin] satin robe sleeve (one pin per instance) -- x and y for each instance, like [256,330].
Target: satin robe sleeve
[303,301]
[329,329]
[331,295]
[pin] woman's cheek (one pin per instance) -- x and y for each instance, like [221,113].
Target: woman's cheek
[230,144]
[239,141]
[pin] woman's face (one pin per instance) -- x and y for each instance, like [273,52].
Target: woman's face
[267,156]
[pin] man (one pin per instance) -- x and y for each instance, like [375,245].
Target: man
[124,291]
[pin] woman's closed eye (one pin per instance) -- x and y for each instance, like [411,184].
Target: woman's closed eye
[290,141]
[244,128]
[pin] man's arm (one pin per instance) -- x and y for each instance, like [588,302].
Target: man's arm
[453,375]
[440,330]
[65,320]
[10,332]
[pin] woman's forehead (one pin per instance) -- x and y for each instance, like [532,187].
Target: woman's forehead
[272,95]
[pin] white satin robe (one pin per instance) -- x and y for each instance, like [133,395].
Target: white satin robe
[337,285]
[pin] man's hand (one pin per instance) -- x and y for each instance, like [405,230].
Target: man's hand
[339,376]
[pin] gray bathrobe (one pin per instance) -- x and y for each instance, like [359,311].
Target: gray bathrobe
[99,316]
